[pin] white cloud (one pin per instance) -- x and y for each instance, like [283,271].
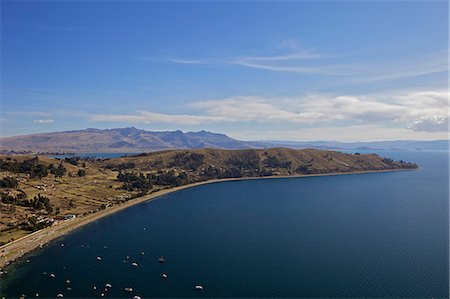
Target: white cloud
[43,121]
[414,110]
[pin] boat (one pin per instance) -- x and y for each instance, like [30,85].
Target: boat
[137,297]
[142,253]
[60,295]
[99,258]
[134,264]
[67,281]
[199,287]
[52,275]
[161,259]
[164,275]
[128,289]
[108,285]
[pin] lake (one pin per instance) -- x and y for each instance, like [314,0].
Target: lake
[361,235]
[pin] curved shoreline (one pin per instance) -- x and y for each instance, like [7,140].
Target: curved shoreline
[17,248]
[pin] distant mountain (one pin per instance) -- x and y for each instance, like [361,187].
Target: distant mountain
[132,140]
[122,140]
[441,145]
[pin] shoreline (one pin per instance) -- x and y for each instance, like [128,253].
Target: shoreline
[14,250]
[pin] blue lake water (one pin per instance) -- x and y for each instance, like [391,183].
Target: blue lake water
[363,235]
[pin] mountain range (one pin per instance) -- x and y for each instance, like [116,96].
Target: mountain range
[133,140]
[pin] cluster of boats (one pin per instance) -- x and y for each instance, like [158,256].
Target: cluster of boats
[108,286]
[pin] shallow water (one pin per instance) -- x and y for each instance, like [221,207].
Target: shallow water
[362,235]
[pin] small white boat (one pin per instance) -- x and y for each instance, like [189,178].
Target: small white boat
[94,288]
[60,295]
[128,289]
[99,258]
[67,281]
[164,275]
[134,264]
[199,287]
[69,288]
[142,253]
[161,259]
[37,295]
[137,297]
[62,245]
[108,285]
[102,295]
[52,275]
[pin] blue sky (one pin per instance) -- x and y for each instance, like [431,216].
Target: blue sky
[328,70]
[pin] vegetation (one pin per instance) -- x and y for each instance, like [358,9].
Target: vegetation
[30,166]
[274,162]
[8,182]
[191,161]
[133,181]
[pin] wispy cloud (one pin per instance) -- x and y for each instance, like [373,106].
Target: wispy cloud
[414,110]
[43,121]
[432,63]
[311,62]
[188,61]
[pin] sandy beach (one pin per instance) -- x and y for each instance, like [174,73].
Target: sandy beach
[16,249]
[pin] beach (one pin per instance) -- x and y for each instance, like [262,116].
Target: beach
[18,248]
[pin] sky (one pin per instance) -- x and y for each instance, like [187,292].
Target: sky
[254,70]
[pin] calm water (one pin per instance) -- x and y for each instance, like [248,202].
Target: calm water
[371,235]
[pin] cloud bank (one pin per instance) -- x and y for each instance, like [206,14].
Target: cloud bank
[416,110]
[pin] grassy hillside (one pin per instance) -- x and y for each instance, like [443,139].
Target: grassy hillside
[34,190]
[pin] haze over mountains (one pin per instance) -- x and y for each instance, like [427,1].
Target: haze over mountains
[132,140]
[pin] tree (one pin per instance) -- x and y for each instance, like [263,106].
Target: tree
[8,182]
[81,172]
[60,170]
